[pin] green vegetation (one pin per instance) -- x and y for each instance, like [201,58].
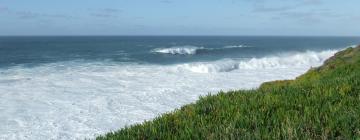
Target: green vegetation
[324,103]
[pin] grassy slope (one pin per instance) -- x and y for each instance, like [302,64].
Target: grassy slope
[323,103]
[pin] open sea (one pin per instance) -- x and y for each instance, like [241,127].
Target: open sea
[81,87]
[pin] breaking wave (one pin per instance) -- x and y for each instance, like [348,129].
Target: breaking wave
[184,50]
[236,46]
[192,50]
[295,60]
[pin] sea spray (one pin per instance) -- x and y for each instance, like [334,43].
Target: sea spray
[183,50]
[192,50]
[292,60]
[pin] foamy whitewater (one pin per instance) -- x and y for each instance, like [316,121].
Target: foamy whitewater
[82,98]
[182,50]
[191,50]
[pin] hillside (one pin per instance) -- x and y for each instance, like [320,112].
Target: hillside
[324,103]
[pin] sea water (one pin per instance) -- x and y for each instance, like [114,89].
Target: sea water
[82,87]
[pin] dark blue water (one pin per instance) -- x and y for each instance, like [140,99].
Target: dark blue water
[30,51]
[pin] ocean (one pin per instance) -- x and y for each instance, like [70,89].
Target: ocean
[65,87]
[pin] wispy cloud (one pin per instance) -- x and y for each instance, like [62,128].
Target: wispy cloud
[263,8]
[3,8]
[301,11]
[105,12]
[26,14]
[59,16]
[355,17]
[308,17]
[312,2]
[32,15]
[103,15]
[314,13]
[166,1]
[110,10]
[262,5]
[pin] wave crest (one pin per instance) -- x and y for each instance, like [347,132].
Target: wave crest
[236,46]
[185,50]
[192,50]
[295,60]
[219,66]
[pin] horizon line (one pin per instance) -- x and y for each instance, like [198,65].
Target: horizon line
[179,35]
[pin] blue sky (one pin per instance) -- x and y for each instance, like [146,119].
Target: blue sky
[180,17]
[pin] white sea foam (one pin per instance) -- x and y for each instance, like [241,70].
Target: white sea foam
[77,100]
[353,46]
[210,67]
[182,50]
[288,61]
[190,50]
[236,46]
